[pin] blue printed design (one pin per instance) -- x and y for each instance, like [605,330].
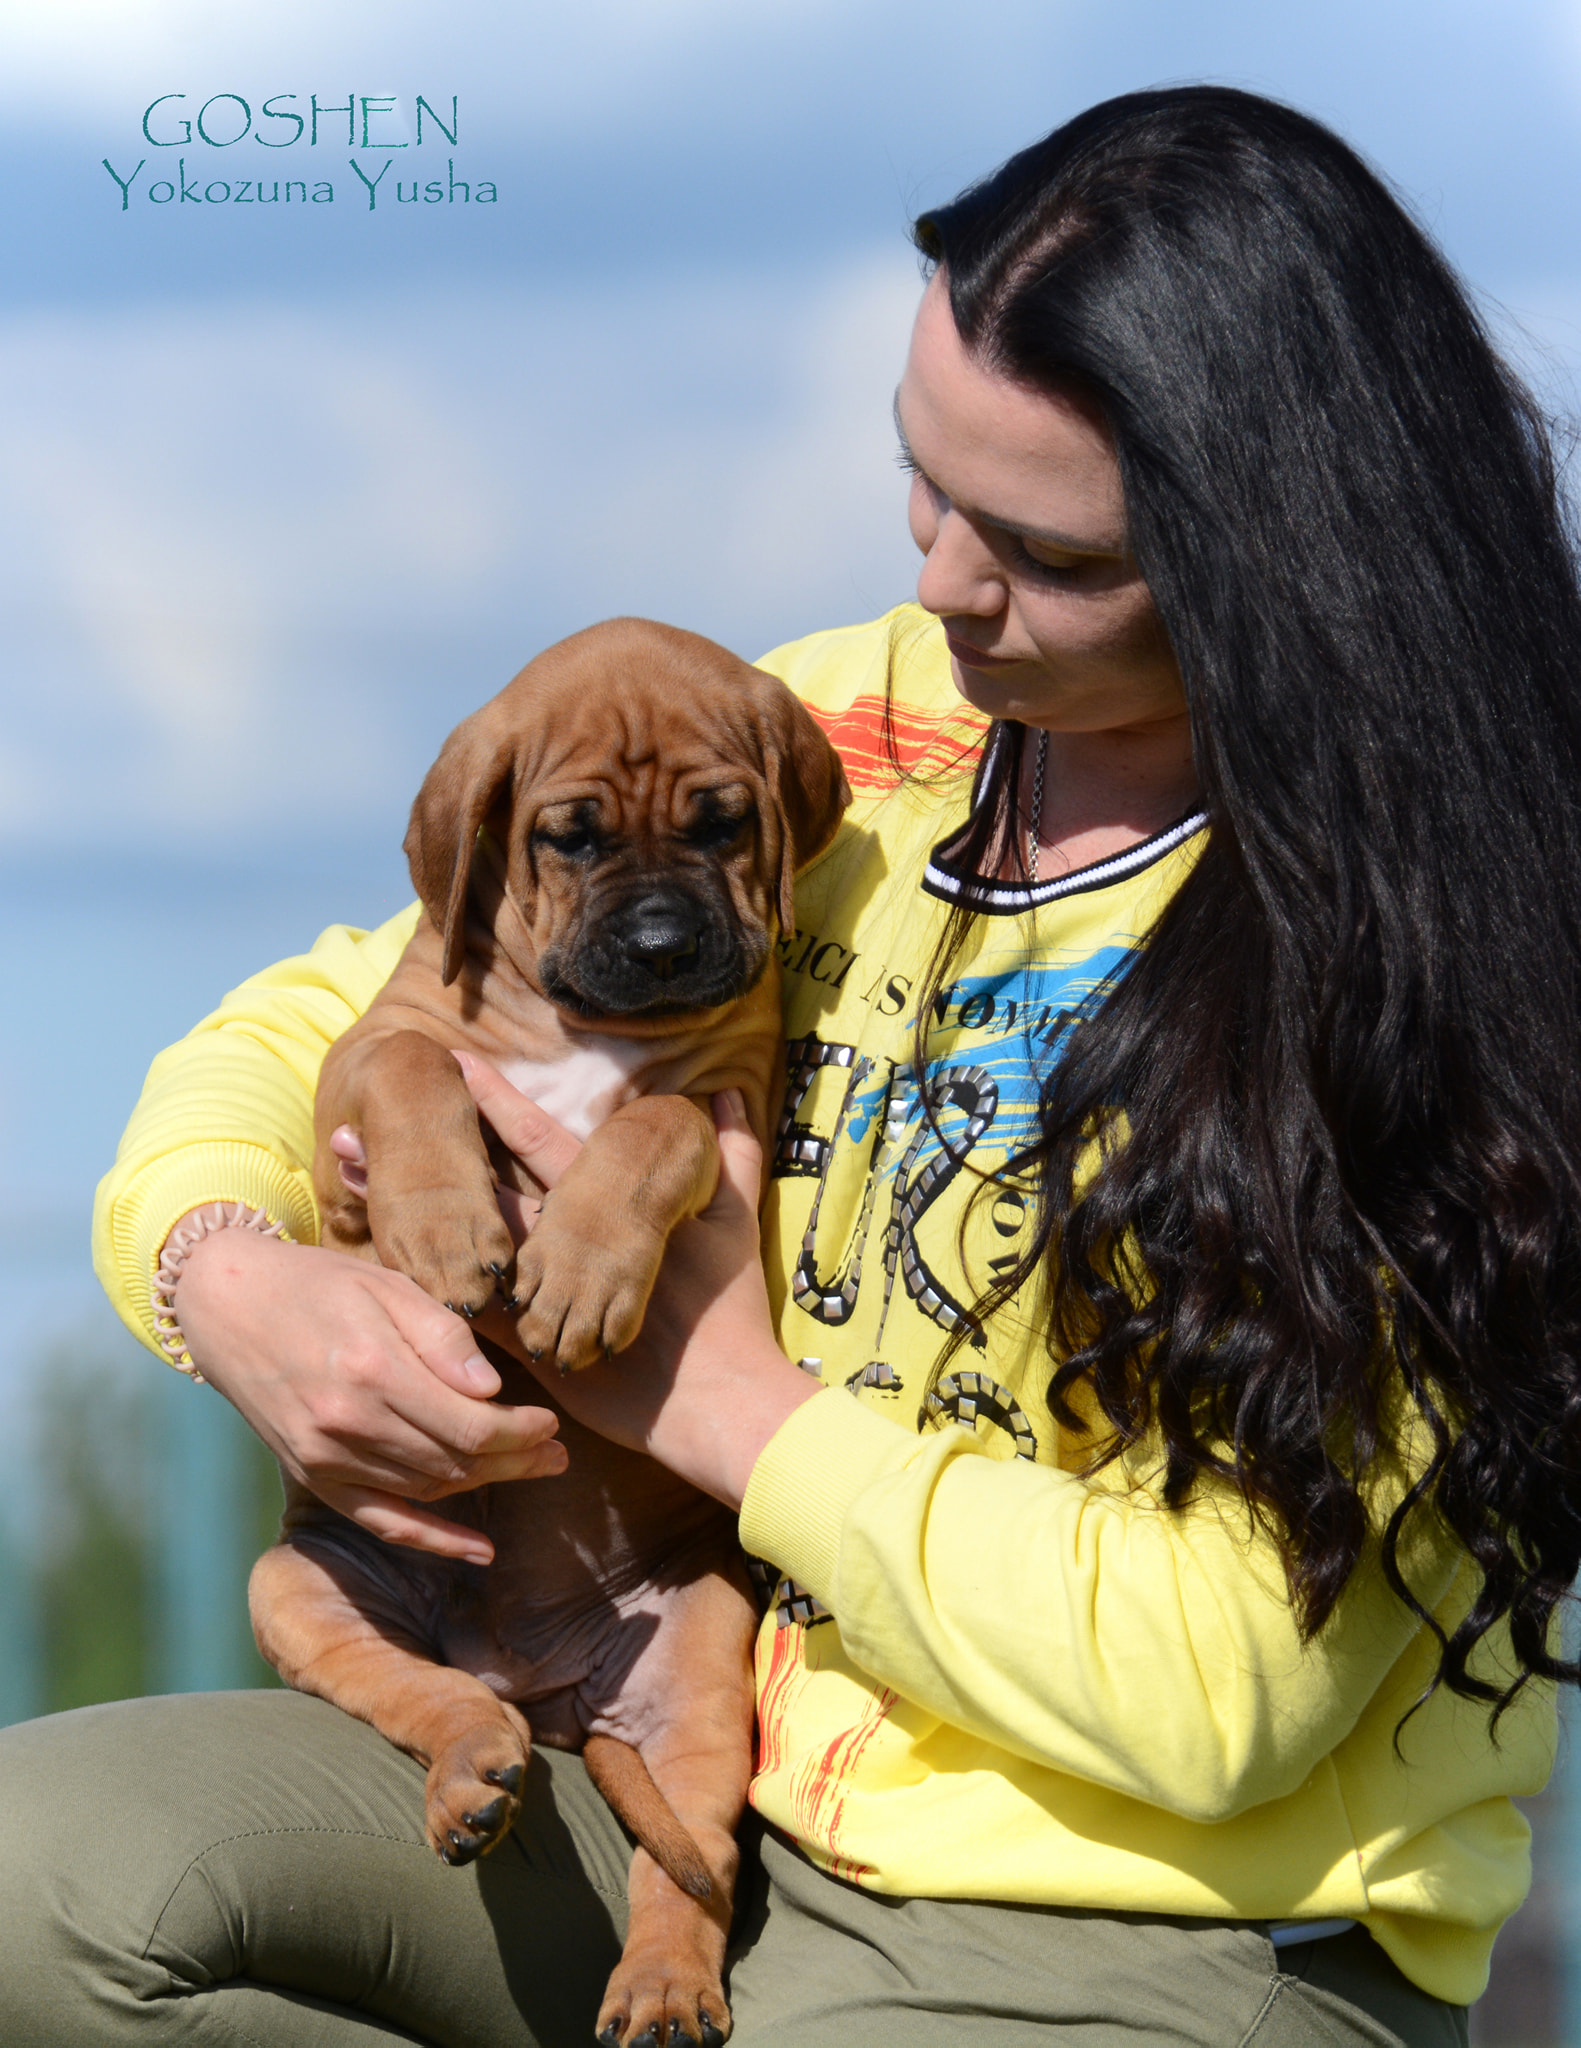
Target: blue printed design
[1002,1033]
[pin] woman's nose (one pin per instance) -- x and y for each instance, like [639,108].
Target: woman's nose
[959,573]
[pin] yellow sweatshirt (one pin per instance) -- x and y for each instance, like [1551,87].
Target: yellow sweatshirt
[981,1675]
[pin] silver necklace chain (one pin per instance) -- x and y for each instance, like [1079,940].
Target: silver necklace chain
[1035,828]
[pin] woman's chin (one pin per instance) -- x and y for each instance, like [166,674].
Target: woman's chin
[1001,692]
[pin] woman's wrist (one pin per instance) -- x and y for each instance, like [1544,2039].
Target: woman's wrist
[182,1243]
[715,1436]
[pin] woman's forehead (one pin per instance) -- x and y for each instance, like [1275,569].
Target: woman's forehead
[1032,461]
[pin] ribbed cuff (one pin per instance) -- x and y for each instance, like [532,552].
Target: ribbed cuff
[144,1214]
[823,1455]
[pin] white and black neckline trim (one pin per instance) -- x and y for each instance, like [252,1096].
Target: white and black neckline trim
[1005,899]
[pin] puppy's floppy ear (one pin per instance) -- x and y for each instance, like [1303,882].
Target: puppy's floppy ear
[458,792]
[807,786]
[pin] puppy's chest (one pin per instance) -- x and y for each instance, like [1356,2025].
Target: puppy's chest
[586,1083]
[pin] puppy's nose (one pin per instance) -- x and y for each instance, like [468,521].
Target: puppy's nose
[662,934]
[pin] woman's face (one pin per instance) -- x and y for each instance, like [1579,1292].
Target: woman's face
[1016,503]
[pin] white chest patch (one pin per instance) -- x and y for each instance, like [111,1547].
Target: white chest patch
[581,1089]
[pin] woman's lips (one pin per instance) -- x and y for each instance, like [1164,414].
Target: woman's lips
[974,657]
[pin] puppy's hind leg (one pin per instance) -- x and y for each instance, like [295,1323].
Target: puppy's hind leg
[336,1625]
[668,1984]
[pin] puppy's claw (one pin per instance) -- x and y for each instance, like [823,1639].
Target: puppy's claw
[496,1269]
[650,2037]
[610,2037]
[487,1818]
[509,1780]
[712,2038]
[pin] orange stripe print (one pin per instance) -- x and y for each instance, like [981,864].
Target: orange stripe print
[818,1796]
[783,1660]
[923,741]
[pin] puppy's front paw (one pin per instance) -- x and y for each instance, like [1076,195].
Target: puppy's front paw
[581,1292]
[474,1792]
[457,1250]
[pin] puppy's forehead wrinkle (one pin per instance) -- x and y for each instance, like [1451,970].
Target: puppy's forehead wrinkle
[588,703]
[630,790]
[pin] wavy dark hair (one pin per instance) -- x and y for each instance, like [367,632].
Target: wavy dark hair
[1347,1185]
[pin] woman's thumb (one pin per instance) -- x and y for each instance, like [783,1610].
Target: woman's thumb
[740,1154]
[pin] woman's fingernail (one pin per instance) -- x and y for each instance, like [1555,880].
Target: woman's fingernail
[464,1061]
[736,1104]
[477,1372]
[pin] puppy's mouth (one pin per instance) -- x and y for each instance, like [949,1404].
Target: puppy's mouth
[662,953]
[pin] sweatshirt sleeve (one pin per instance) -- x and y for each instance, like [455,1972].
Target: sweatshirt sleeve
[226,1114]
[1051,1615]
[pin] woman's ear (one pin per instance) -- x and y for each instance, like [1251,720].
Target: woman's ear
[471,774]
[807,787]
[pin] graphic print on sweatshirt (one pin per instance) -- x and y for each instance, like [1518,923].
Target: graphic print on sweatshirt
[888,1163]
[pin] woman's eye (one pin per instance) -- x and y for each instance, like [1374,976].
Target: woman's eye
[1051,563]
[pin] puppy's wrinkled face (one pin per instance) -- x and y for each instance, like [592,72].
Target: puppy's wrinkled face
[645,799]
[650,893]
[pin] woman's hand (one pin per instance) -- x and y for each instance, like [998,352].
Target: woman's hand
[706,1385]
[372,1395]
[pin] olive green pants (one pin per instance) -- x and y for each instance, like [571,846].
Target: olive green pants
[248,1869]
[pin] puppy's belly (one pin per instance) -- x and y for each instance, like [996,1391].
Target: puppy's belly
[584,1087]
[584,1660]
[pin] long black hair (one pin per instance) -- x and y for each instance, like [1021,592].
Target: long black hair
[1344,1201]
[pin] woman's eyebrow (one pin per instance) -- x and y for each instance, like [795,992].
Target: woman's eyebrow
[1065,543]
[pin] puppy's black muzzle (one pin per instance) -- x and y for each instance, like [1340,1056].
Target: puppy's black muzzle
[661,949]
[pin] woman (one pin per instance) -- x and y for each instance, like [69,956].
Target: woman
[1181,1147]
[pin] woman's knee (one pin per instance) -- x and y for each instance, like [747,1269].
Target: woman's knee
[158,1849]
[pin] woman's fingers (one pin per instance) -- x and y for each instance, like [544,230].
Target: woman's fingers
[398,1518]
[521,1212]
[357,1380]
[440,1338]
[348,1148]
[740,1154]
[545,1147]
[437,1390]
[394,1520]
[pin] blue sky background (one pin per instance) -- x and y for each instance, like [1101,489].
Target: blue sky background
[285,492]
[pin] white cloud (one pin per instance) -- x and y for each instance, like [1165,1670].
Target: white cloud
[181,491]
[249,558]
[73,61]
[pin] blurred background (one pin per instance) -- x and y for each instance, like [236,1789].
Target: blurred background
[285,490]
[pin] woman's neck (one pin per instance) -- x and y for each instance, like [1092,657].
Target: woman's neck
[1103,792]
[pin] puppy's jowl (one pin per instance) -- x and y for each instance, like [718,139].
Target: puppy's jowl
[605,852]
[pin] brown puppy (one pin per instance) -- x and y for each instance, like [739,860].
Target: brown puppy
[606,854]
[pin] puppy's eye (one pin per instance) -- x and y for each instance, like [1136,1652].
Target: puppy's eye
[572,842]
[713,833]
